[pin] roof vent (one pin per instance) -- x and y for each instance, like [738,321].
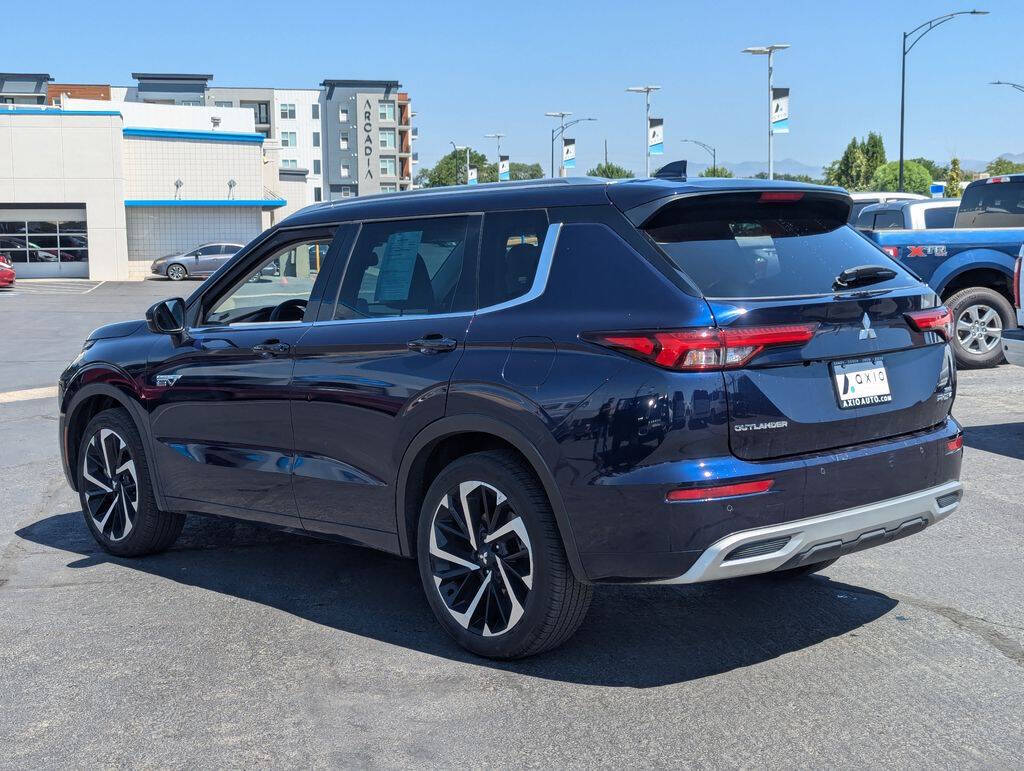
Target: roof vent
[675,170]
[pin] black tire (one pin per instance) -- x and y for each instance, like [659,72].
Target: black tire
[177,272]
[800,572]
[962,305]
[109,495]
[553,603]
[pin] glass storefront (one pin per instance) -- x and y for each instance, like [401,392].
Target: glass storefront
[41,244]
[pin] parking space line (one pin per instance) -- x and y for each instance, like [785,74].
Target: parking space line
[27,394]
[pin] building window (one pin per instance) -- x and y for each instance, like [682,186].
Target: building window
[287,110]
[344,170]
[288,139]
[316,139]
[190,103]
[224,104]
[388,188]
[388,139]
[386,111]
[343,141]
[316,165]
[343,114]
[388,166]
[318,194]
[289,163]
[316,111]
[261,111]
[346,191]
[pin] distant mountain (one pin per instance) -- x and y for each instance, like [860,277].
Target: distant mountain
[751,168]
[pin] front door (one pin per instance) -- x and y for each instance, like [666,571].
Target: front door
[375,369]
[221,418]
[208,259]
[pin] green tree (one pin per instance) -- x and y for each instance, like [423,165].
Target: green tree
[1004,166]
[850,170]
[451,170]
[716,171]
[610,171]
[516,171]
[937,171]
[791,178]
[953,179]
[916,178]
[874,156]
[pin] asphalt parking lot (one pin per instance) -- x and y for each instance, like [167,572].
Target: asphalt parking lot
[244,647]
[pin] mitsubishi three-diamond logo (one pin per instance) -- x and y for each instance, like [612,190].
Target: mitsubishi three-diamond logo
[867,333]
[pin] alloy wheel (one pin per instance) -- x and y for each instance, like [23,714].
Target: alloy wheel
[979,329]
[176,273]
[481,558]
[111,485]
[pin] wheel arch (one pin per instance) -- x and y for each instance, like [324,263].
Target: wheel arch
[432,447]
[93,398]
[987,268]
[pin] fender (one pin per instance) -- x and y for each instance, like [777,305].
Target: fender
[485,424]
[103,379]
[972,259]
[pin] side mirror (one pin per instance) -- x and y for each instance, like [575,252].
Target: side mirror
[167,317]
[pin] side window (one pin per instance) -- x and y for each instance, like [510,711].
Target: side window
[206,251]
[889,219]
[277,290]
[939,217]
[509,254]
[408,267]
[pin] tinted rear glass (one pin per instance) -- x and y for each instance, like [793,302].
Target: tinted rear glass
[939,217]
[890,219]
[738,246]
[997,205]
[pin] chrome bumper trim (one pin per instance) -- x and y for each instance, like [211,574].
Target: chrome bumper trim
[805,534]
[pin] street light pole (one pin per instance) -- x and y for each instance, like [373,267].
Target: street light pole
[920,30]
[456,148]
[768,51]
[646,91]
[560,131]
[709,148]
[497,135]
[1017,86]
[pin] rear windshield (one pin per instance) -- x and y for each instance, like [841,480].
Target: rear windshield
[995,205]
[739,246]
[939,217]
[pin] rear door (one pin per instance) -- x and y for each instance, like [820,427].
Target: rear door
[375,368]
[866,374]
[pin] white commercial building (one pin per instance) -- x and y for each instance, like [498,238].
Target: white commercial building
[99,189]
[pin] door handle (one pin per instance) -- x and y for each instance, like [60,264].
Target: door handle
[271,348]
[434,343]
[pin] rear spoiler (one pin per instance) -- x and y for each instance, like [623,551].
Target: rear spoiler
[640,215]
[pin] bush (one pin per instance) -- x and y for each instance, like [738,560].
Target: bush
[916,178]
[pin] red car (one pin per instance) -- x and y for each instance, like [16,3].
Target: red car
[6,271]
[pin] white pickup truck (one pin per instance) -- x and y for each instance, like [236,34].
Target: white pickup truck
[1013,339]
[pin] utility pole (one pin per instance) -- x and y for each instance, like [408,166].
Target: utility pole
[768,51]
[646,91]
[606,153]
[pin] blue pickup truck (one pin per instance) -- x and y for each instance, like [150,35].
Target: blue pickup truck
[971,265]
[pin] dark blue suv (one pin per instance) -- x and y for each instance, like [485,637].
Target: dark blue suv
[532,388]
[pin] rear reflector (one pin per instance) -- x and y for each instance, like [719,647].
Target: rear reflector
[777,196]
[723,491]
[1016,279]
[955,444]
[932,320]
[892,251]
[706,348]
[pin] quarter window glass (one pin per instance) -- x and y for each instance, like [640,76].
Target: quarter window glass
[407,268]
[939,217]
[509,254]
[276,291]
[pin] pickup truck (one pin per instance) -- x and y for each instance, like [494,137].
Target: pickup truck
[1013,339]
[971,265]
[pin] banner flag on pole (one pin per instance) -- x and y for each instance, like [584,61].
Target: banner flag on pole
[656,136]
[472,175]
[780,110]
[569,153]
[503,168]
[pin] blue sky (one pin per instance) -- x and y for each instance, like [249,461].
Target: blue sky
[476,67]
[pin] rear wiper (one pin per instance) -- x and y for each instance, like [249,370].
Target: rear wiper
[861,275]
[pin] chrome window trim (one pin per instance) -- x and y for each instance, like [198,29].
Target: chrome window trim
[540,283]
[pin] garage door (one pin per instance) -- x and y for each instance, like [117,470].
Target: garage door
[45,243]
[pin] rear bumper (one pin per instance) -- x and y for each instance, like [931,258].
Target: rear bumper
[1013,346]
[815,539]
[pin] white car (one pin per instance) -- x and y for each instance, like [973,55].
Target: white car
[1013,339]
[860,200]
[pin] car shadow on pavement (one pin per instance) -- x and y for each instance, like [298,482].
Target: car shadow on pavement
[999,438]
[634,636]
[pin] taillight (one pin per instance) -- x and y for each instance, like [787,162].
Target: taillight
[892,251]
[721,491]
[707,348]
[1016,279]
[781,196]
[996,180]
[932,320]
[955,444]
